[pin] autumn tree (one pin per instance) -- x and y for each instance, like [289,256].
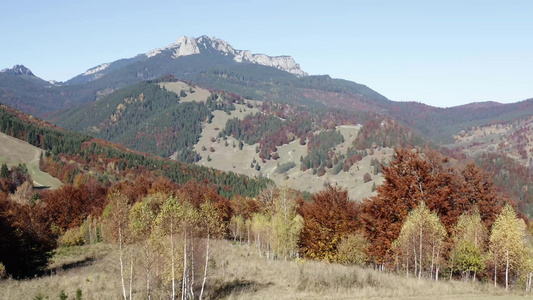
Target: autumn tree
[469,239]
[26,239]
[168,223]
[423,234]
[383,215]
[261,230]
[212,225]
[527,267]
[506,245]
[286,224]
[353,249]
[142,219]
[116,220]
[413,177]
[328,218]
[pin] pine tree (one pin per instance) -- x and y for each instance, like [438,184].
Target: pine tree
[4,173]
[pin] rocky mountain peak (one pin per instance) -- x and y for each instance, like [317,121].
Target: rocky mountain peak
[17,70]
[185,46]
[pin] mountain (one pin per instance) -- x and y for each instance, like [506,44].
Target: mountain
[211,62]
[187,46]
[17,70]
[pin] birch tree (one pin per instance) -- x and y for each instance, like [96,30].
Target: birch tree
[142,218]
[469,239]
[168,223]
[211,222]
[286,224]
[423,234]
[116,219]
[507,243]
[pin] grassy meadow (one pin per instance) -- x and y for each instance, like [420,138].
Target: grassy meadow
[237,272]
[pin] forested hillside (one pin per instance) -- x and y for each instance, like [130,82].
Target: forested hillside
[144,117]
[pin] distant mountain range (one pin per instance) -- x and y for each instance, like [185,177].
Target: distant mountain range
[214,64]
[162,102]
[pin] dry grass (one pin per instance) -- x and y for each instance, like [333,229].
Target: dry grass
[246,276]
[237,272]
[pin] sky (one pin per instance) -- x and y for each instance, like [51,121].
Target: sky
[442,53]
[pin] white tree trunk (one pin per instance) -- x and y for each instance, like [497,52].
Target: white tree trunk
[147,269]
[495,269]
[407,266]
[131,273]
[420,260]
[172,264]
[121,262]
[507,270]
[205,268]
[191,271]
[184,281]
[414,257]
[432,259]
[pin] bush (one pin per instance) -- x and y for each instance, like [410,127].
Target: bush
[282,168]
[3,273]
[352,250]
[72,237]
[337,168]
[367,178]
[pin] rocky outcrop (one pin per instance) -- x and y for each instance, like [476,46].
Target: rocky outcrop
[185,46]
[285,63]
[17,70]
[96,69]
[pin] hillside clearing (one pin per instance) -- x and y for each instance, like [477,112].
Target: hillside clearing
[198,95]
[14,151]
[226,157]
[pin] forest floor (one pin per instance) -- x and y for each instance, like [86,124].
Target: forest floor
[14,151]
[237,272]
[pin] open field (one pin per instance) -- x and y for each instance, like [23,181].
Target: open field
[199,95]
[237,272]
[14,151]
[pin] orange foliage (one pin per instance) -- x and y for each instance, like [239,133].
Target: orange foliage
[328,218]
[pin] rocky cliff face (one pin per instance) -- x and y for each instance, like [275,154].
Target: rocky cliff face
[189,46]
[17,70]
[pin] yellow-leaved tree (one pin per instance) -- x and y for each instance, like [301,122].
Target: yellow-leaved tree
[469,240]
[286,224]
[421,240]
[507,245]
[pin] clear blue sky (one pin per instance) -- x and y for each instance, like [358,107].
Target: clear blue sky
[442,53]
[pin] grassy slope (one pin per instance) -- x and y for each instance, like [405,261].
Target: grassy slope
[228,158]
[238,273]
[14,151]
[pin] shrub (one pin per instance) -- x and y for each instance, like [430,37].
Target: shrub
[352,249]
[367,178]
[3,273]
[282,168]
[72,237]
